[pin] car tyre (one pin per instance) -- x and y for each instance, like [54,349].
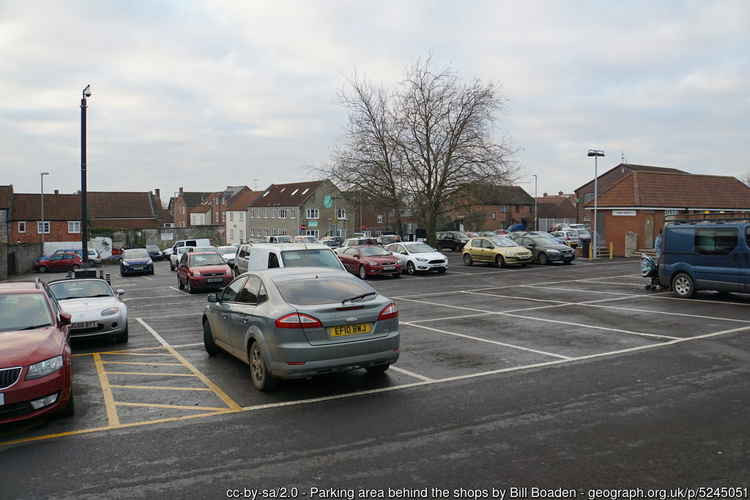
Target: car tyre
[410,269]
[377,370]
[499,261]
[208,339]
[259,374]
[441,270]
[70,407]
[683,286]
[468,261]
[362,273]
[542,259]
[122,337]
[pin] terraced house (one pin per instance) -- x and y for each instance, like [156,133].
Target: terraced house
[314,208]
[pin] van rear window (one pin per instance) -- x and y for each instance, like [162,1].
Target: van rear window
[715,241]
[311,258]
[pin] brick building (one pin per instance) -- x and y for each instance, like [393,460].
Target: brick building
[107,210]
[556,209]
[486,208]
[183,203]
[640,201]
[209,207]
[315,208]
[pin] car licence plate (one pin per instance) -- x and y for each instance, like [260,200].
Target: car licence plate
[138,268]
[83,325]
[215,280]
[389,268]
[347,330]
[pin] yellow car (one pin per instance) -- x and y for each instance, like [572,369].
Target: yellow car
[499,251]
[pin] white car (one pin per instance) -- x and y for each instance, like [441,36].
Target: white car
[174,259]
[96,309]
[415,256]
[227,253]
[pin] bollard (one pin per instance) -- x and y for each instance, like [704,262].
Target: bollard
[591,252]
[611,250]
[108,277]
[101,274]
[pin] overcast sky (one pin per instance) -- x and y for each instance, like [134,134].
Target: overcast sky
[209,94]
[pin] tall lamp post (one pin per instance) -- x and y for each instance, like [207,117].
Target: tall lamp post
[41,176]
[596,153]
[84,202]
[536,217]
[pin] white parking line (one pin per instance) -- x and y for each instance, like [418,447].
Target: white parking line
[411,374]
[699,316]
[582,325]
[577,290]
[178,290]
[514,297]
[480,339]
[152,297]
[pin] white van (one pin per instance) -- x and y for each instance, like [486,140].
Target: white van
[261,256]
[198,242]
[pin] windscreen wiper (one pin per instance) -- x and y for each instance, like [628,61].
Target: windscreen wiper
[34,327]
[358,297]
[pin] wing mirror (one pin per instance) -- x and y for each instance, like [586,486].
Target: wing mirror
[120,292]
[212,297]
[65,319]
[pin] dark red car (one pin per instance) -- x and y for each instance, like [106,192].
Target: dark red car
[203,271]
[58,262]
[370,260]
[35,362]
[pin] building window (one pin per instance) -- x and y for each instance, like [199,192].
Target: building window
[588,197]
[312,213]
[42,227]
[275,212]
[22,227]
[231,216]
[381,219]
[311,232]
[341,213]
[282,213]
[242,216]
[231,234]
[74,226]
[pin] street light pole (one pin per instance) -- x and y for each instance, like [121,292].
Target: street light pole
[536,217]
[41,177]
[596,153]
[84,202]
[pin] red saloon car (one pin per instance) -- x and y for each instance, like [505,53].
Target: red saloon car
[370,260]
[58,262]
[35,361]
[203,271]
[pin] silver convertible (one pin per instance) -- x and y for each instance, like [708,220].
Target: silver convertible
[300,322]
[96,309]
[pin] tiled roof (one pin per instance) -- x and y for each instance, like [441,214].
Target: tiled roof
[636,168]
[242,200]
[125,205]
[499,195]
[202,209]
[193,199]
[5,194]
[286,195]
[670,190]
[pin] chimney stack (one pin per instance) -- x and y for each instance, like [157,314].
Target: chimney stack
[545,195]
[180,190]
[57,191]
[157,193]
[560,193]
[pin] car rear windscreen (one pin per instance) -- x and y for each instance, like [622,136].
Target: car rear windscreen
[316,291]
[310,258]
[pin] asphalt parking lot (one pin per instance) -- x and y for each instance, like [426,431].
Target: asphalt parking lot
[459,331]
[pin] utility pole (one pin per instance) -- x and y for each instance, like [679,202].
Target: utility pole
[84,202]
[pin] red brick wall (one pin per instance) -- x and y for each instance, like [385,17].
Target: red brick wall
[58,232]
[179,213]
[616,227]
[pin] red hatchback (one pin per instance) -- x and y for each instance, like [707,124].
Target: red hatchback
[203,271]
[58,262]
[35,362]
[370,260]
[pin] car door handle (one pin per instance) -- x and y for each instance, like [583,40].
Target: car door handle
[245,321]
[225,316]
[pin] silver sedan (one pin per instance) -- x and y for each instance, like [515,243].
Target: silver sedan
[95,308]
[298,322]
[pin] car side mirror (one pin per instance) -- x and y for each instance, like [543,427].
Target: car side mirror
[65,319]
[356,256]
[120,292]
[531,245]
[212,297]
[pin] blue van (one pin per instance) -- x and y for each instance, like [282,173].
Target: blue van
[705,256]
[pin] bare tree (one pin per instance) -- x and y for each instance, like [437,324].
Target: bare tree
[367,164]
[421,144]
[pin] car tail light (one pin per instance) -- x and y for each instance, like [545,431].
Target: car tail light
[389,312]
[298,320]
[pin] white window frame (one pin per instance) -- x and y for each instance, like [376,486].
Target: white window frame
[381,219]
[72,225]
[40,225]
[341,213]
[312,213]
[22,226]
[312,232]
[283,213]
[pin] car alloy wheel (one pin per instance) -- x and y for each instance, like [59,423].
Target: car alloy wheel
[262,380]
[362,272]
[499,261]
[683,286]
[410,268]
[542,259]
[467,259]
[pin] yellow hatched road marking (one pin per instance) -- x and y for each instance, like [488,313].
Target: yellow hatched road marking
[176,407]
[109,401]
[140,363]
[137,353]
[160,387]
[152,373]
[217,390]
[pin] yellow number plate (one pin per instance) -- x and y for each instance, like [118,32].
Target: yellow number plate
[346,330]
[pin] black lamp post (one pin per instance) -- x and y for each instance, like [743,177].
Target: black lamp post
[84,202]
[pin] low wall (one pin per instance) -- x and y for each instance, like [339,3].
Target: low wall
[165,237]
[18,259]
